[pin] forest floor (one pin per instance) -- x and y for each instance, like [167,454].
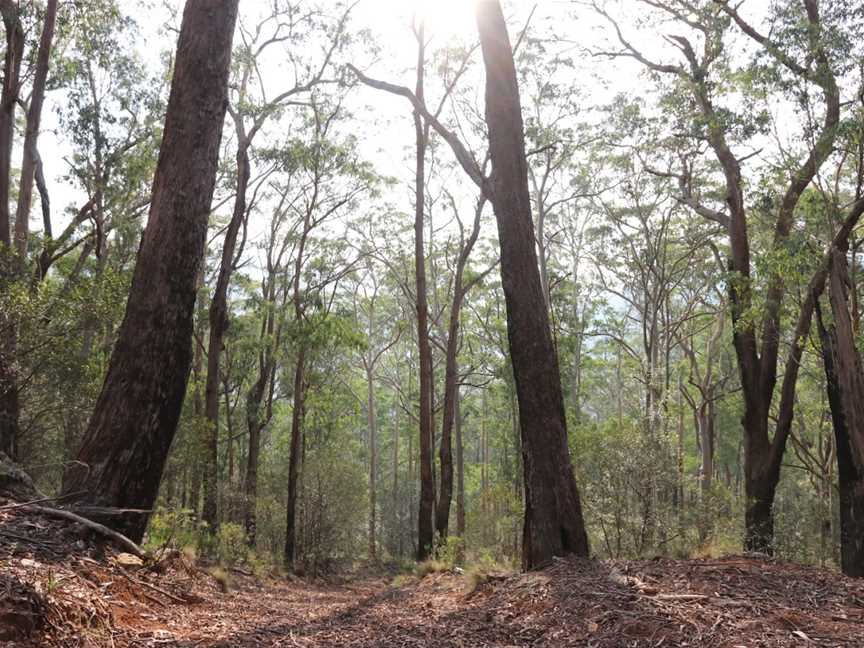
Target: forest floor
[60,586]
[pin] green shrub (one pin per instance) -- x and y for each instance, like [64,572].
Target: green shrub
[231,546]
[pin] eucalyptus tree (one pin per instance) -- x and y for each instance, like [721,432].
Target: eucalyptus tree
[798,52]
[383,333]
[136,415]
[423,127]
[840,202]
[13,249]
[332,178]
[293,27]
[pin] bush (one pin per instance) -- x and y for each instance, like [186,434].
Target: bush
[231,545]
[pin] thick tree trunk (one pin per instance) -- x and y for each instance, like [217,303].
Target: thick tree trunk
[845,384]
[136,415]
[218,318]
[553,523]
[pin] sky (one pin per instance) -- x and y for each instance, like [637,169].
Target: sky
[383,122]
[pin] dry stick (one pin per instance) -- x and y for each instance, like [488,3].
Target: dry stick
[41,500]
[119,538]
[163,592]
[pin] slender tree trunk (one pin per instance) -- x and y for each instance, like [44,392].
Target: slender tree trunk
[254,416]
[426,509]
[294,459]
[460,471]
[31,136]
[250,481]
[9,400]
[845,384]
[372,422]
[218,318]
[395,530]
[553,524]
[136,415]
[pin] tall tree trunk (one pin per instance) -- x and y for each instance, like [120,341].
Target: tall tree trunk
[31,136]
[372,421]
[845,386]
[460,471]
[9,401]
[553,524]
[294,459]
[254,418]
[218,318]
[426,508]
[451,377]
[136,415]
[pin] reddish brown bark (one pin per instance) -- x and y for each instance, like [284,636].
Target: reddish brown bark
[136,415]
[553,523]
[845,385]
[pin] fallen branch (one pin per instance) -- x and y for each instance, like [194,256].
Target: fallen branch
[40,501]
[119,538]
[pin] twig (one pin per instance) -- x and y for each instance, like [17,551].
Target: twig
[161,591]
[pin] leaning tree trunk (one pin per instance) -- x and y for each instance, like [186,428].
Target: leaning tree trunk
[31,136]
[136,415]
[553,524]
[845,384]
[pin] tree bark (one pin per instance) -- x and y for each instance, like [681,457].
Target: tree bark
[136,415]
[372,422]
[426,508]
[553,524]
[845,386]
[451,377]
[9,401]
[294,459]
[31,135]
[460,471]
[218,318]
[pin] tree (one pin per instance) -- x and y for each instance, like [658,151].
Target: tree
[449,419]
[135,418]
[13,254]
[553,523]
[757,351]
[249,113]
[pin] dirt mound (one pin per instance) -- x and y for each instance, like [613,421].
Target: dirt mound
[737,601]
[61,585]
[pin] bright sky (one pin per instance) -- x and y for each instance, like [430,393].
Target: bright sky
[383,121]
